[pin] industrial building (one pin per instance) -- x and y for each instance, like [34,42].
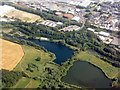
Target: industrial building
[6,20]
[83,3]
[90,29]
[5,9]
[104,34]
[51,23]
[115,41]
[76,18]
[71,28]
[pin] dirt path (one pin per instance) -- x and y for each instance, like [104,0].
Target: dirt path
[28,83]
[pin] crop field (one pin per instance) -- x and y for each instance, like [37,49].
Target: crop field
[23,16]
[109,70]
[11,54]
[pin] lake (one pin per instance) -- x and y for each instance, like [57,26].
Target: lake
[81,73]
[62,52]
[86,75]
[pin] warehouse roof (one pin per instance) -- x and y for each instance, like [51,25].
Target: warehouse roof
[4,9]
[104,34]
[76,18]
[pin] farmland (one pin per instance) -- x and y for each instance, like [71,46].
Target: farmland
[24,16]
[11,52]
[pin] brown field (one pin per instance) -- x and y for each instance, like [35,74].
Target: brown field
[11,54]
[24,16]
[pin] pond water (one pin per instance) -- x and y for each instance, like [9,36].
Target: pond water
[86,75]
[62,52]
[81,73]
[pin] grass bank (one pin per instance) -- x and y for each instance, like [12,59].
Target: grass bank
[109,70]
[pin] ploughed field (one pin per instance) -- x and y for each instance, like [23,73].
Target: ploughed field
[24,16]
[11,54]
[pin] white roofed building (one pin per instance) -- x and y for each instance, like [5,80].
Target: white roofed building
[76,18]
[59,23]
[83,3]
[104,34]
[5,9]
[6,20]
[102,38]
[90,29]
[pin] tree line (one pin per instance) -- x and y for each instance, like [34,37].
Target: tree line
[10,78]
[83,39]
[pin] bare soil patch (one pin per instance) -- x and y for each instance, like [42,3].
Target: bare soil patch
[24,16]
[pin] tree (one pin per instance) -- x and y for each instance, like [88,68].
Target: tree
[5,16]
[38,59]
[62,42]
[10,78]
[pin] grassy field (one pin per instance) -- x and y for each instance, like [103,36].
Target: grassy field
[27,83]
[22,83]
[30,55]
[24,16]
[109,70]
[46,62]
[33,84]
[9,54]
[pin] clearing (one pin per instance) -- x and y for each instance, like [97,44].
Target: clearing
[24,16]
[11,54]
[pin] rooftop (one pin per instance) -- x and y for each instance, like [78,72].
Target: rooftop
[71,28]
[69,16]
[4,9]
